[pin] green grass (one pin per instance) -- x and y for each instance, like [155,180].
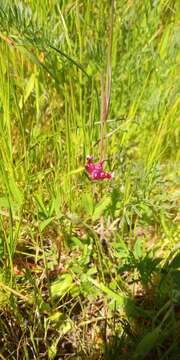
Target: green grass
[89,270]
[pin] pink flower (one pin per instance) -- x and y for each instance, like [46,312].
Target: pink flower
[96,171]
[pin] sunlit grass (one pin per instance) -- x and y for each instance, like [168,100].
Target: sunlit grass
[89,269]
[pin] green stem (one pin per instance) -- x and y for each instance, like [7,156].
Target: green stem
[106,86]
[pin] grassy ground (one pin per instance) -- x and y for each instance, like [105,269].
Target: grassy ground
[89,269]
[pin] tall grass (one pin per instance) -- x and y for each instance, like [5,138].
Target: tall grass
[89,269]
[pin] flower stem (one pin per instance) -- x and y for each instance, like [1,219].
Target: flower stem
[106,81]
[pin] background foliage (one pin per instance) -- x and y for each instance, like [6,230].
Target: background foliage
[89,269]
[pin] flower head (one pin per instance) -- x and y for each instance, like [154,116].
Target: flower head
[96,171]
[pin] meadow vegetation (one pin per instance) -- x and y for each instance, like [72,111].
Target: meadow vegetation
[89,269]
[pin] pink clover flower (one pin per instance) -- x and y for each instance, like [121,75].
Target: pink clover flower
[96,171]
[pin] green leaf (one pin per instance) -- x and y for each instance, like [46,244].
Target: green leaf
[120,299]
[55,317]
[76,171]
[121,248]
[4,203]
[101,207]
[137,251]
[41,204]
[61,286]
[175,263]
[28,90]
[45,223]
[87,203]
[148,342]
[175,274]
[52,350]
[16,193]
[65,327]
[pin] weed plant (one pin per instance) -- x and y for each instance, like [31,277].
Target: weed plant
[89,269]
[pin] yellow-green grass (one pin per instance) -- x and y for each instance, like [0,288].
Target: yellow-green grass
[89,270]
